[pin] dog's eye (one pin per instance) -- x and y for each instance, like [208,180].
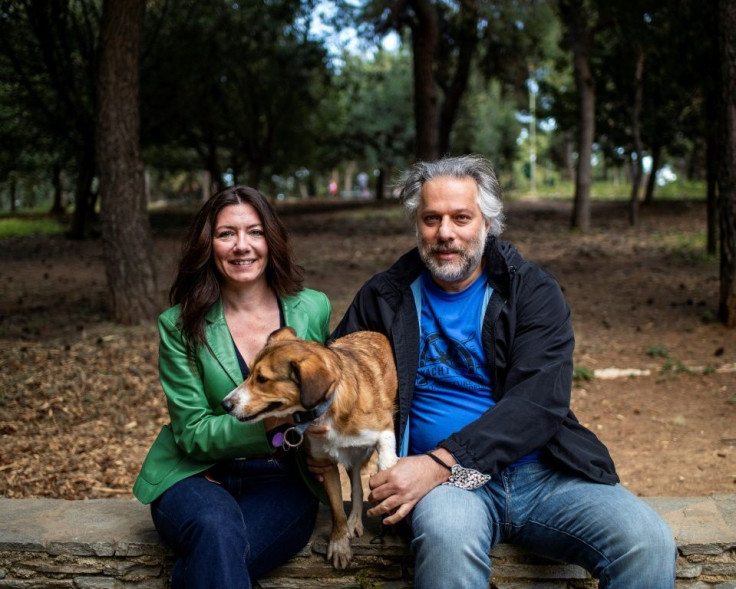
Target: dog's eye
[260,379]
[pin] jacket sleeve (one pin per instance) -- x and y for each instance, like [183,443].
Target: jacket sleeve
[534,373]
[201,428]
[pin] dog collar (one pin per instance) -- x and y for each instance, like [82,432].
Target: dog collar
[304,419]
[294,436]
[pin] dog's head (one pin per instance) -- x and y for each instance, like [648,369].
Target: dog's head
[288,375]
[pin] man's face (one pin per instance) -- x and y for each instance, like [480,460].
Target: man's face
[451,231]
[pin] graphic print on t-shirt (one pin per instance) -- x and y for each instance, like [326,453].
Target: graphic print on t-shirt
[442,359]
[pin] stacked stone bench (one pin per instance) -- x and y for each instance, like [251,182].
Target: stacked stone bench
[111,544]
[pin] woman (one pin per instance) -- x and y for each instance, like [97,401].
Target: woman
[228,502]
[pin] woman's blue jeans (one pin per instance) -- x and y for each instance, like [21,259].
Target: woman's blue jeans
[228,535]
[605,529]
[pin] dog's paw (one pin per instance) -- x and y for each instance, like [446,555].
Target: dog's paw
[339,552]
[355,526]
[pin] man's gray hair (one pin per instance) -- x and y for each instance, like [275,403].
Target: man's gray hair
[474,166]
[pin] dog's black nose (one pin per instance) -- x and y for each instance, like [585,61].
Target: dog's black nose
[227,405]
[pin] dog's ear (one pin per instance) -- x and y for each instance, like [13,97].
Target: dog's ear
[280,335]
[314,380]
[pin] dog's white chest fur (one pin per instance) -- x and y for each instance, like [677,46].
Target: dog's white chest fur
[350,451]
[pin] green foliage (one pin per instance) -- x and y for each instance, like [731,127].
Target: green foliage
[373,101]
[674,367]
[557,188]
[690,246]
[487,124]
[582,373]
[249,89]
[25,226]
[658,352]
[48,64]
[238,84]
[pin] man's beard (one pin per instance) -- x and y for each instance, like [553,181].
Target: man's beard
[456,270]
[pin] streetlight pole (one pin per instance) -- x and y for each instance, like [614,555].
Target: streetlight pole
[532,131]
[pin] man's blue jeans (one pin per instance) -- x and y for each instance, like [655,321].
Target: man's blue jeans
[228,535]
[605,529]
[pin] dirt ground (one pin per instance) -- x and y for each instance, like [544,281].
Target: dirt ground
[81,402]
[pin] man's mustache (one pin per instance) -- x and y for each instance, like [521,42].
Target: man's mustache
[439,249]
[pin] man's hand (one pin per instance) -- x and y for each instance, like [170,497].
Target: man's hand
[397,489]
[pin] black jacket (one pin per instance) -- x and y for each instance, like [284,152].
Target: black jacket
[528,340]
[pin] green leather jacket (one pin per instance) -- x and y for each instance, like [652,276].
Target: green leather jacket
[200,434]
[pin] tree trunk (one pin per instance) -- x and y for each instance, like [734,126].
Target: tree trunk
[638,167]
[425,33]
[83,209]
[727,170]
[213,166]
[125,226]
[206,185]
[573,15]
[350,168]
[652,180]
[569,158]
[13,192]
[712,163]
[712,104]
[456,89]
[254,175]
[381,184]
[57,207]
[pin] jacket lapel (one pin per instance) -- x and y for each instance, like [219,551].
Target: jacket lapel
[221,342]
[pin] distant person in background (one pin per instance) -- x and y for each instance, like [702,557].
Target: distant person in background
[363,191]
[223,496]
[332,188]
[490,450]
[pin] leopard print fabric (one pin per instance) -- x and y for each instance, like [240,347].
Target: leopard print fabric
[466,478]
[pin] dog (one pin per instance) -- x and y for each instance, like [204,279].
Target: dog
[349,385]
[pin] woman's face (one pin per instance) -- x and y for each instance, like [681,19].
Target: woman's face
[239,247]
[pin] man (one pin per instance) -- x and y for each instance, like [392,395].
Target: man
[490,449]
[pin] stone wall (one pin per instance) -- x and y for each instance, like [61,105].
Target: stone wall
[111,544]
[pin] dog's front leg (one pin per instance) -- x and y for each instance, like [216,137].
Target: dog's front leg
[338,549]
[355,520]
[386,448]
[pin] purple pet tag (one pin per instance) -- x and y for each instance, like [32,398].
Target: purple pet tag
[277,440]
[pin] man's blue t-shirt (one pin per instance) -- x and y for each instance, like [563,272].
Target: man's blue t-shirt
[453,385]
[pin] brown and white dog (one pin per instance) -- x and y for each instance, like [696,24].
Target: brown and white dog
[349,386]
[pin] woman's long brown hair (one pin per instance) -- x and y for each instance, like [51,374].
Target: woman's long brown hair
[197,284]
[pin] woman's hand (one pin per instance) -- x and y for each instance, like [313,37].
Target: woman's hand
[319,466]
[318,431]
